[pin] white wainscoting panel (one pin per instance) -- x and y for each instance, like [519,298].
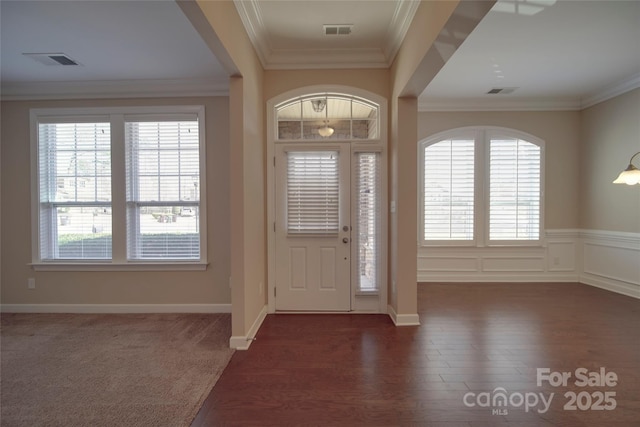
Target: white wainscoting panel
[561,256]
[605,259]
[553,261]
[447,263]
[513,264]
[611,260]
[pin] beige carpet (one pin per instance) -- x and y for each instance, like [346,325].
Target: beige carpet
[109,370]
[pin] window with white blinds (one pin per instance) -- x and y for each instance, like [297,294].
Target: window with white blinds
[514,189]
[148,160]
[368,221]
[163,189]
[481,186]
[448,197]
[312,192]
[74,174]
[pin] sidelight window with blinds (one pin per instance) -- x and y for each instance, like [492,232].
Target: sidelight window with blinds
[119,185]
[367,222]
[481,186]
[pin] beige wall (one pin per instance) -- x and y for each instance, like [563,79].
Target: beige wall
[561,132]
[610,136]
[281,81]
[184,287]
[225,33]
[437,27]
[428,21]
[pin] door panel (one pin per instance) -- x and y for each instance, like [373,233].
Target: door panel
[313,234]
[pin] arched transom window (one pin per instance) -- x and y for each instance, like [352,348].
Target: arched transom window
[327,116]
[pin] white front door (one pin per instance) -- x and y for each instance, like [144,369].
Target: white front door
[313,230]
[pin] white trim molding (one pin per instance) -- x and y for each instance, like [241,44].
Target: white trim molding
[605,259]
[115,308]
[490,103]
[244,342]
[610,260]
[612,91]
[554,260]
[272,58]
[114,89]
[427,104]
[403,319]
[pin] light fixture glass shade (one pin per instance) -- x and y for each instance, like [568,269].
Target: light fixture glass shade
[325,131]
[630,176]
[318,105]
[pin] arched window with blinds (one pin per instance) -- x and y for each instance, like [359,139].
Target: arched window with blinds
[481,186]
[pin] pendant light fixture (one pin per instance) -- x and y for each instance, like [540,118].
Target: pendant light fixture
[318,105]
[631,175]
[326,131]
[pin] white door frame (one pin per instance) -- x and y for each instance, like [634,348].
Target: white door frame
[381,305]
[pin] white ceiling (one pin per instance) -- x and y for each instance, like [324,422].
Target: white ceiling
[124,48]
[558,54]
[289,34]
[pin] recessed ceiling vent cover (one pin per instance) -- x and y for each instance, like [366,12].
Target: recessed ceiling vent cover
[501,90]
[337,29]
[52,58]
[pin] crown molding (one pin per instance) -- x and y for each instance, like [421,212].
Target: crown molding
[398,27]
[426,104]
[114,89]
[288,59]
[483,104]
[612,91]
[251,17]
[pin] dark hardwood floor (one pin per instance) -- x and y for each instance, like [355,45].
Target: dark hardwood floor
[348,370]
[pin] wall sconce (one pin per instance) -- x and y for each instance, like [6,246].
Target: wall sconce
[631,175]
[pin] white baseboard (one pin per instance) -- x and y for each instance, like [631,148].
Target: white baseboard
[243,342]
[403,319]
[115,308]
[499,278]
[628,289]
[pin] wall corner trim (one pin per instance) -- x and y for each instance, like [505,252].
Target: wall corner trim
[403,319]
[244,342]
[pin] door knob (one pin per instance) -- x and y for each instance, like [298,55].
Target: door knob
[345,240]
[345,228]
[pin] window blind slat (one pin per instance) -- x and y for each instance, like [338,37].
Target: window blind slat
[449,190]
[367,225]
[163,189]
[312,192]
[514,181]
[74,162]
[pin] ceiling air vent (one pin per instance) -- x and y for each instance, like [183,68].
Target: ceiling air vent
[337,29]
[501,90]
[52,58]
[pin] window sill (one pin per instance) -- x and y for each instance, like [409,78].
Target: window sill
[129,266]
[493,245]
[367,293]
